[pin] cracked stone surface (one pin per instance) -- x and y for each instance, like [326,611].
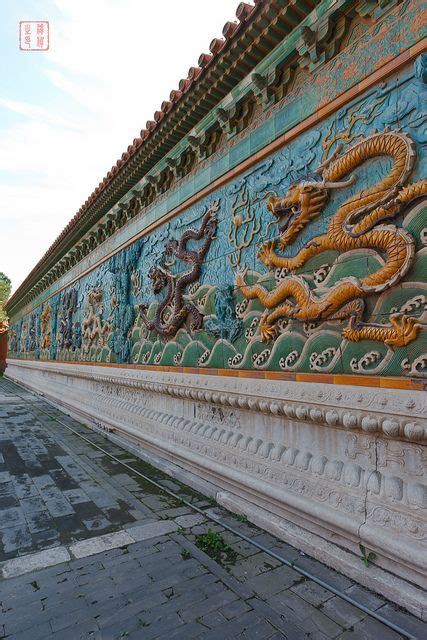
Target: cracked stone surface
[59,494]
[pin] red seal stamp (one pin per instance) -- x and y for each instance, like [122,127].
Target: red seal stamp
[34,35]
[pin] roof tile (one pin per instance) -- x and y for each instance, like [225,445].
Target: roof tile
[216,45]
[204,59]
[228,29]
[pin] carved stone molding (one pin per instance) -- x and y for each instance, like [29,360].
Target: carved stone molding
[397,414]
[327,479]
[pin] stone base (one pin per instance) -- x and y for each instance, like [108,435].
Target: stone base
[323,467]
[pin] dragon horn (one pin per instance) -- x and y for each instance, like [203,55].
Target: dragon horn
[341,184]
[325,164]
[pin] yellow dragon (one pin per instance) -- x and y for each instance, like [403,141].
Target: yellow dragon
[357,224]
[46,327]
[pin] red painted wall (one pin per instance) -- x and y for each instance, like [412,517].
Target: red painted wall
[3,351]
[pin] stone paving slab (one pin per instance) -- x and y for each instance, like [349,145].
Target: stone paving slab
[124,562]
[31,562]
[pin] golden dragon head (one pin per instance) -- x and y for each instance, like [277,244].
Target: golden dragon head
[304,201]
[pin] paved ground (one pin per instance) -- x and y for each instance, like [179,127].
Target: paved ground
[127,562]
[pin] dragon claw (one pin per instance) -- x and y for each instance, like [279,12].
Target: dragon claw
[268,332]
[267,251]
[405,329]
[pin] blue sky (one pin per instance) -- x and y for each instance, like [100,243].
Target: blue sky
[67,114]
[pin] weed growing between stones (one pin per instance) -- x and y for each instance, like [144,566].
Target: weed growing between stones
[185,554]
[365,557]
[215,546]
[241,517]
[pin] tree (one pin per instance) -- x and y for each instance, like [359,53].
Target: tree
[5,287]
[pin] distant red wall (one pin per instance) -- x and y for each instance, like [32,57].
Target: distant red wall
[3,351]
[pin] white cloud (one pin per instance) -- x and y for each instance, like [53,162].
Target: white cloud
[36,112]
[110,65]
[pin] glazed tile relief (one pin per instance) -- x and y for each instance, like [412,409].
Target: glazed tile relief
[311,261]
